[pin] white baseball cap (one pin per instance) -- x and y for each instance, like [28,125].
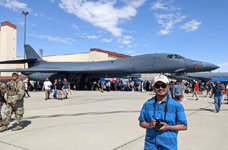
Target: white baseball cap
[161,78]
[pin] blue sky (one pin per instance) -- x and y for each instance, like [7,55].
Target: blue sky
[195,29]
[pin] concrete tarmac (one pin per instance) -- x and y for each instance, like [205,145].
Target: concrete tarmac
[90,120]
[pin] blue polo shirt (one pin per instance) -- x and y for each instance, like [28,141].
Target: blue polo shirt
[174,116]
[217,90]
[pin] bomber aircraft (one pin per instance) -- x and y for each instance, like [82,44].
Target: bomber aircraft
[39,69]
[203,76]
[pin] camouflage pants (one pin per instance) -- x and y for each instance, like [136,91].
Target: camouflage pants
[9,110]
[1,104]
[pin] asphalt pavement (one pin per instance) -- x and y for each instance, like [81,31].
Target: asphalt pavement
[90,120]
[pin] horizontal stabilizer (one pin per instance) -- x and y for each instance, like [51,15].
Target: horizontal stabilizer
[180,70]
[21,61]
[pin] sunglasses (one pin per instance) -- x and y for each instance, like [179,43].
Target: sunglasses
[162,85]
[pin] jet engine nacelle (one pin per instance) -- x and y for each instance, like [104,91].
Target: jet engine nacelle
[43,76]
[135,75]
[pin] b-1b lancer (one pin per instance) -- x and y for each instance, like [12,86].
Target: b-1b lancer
[39,69]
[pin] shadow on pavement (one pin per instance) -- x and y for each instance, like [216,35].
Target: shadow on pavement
[191,99]
[211,110]
[25,124]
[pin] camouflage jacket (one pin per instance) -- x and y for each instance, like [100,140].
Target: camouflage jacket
[3,88]
[16,91]
[3,91]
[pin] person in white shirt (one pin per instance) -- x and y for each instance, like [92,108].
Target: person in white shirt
[108,84]
[144,86]
[47,86]
[132,86]
[183,90]
[26,85]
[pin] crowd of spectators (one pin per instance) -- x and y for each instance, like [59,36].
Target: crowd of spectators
[195,88]
[118,85]
[177,89]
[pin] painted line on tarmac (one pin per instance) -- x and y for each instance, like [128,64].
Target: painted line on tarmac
[14,145]
[81,114]
[129,142]
[112,112]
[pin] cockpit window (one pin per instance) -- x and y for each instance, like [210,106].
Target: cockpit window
[175,56]
[169,56]
[178,56]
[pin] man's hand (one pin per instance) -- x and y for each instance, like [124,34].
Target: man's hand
[164,127]
[147,125]
[12,101]
[152,124]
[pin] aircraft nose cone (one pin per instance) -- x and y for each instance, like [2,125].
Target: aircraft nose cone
[209,66]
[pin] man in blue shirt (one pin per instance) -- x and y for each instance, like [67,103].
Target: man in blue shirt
[217,90]
[102,86]
[170,113]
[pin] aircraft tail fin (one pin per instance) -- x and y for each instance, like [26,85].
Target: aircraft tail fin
[32,58]
[31,54]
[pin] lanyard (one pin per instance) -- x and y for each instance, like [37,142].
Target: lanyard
[165,109]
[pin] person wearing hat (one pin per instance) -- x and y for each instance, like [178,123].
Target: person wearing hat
[162,117]
[217,90]
[14,98]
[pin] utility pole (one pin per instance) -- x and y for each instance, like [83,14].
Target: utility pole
[25,13]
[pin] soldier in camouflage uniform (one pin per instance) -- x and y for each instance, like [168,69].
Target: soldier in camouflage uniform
[15,103]
[3,88]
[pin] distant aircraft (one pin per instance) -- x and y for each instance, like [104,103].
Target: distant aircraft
[203,76]
[39,69]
